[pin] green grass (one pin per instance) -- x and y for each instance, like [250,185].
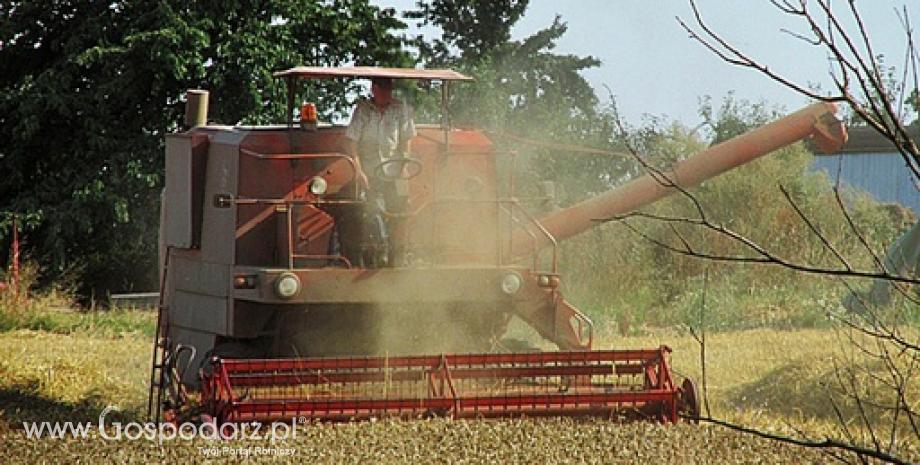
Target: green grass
[115,323]
[55,315]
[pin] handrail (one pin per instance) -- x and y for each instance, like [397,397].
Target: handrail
[510,208]
[504,255]
[547,235]
[311,156]
[295,156]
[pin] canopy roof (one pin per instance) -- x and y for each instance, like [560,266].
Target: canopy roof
[313,72]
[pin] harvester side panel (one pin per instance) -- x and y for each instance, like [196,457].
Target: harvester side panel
[454,199]
[201,313]
[219,226]
[199,278]
[186,160]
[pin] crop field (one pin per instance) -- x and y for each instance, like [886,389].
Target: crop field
[765,378]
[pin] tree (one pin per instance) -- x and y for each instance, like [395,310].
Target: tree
[874,387]
[474,29]
[861,79]
[88,90]
[530,100]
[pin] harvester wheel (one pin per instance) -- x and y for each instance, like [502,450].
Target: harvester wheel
[230,350]
[689,407]
[236,349]
[515,345]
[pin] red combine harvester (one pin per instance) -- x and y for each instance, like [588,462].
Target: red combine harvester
[264,314]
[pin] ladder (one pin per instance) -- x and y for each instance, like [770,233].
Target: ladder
[164,375]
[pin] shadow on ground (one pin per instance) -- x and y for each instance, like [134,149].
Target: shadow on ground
[19,404]
[802,391]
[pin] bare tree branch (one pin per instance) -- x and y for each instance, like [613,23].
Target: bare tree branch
[736,57]
[761,254]
[827,443]
[856,61]
[872,392]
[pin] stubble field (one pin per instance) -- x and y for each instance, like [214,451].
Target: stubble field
[765,378]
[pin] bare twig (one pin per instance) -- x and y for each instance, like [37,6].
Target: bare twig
[827,443]
[856,65]
[761,254]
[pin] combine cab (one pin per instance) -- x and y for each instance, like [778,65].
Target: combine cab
[273,312]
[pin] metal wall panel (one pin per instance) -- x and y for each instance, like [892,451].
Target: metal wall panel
[883,175]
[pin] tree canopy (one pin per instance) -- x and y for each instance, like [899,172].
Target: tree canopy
[88,90]
[529,98]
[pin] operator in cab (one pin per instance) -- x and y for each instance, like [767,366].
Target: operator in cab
[379,137]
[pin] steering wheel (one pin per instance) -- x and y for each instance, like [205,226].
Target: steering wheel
[398,168]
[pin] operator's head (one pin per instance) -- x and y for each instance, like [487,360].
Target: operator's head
[382,83]
[382,90]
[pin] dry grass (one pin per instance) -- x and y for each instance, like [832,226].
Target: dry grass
[739,361]
[777,376]
[767,378]
[446,441]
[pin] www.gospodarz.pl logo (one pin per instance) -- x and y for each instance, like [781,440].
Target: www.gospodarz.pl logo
[159,432]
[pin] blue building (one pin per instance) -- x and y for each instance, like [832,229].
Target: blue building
[872,164]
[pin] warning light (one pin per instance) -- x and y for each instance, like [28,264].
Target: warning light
[308,116]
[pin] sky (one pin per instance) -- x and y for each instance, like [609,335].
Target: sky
[651,65]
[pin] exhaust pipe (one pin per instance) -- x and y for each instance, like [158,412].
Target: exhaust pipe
[196,108]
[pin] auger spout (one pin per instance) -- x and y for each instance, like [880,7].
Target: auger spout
[816,122]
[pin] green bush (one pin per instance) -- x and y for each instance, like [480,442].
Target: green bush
[54,310]
[617,272]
